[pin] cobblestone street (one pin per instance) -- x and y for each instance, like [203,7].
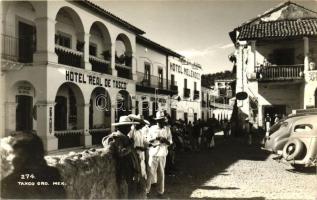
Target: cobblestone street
[234,170]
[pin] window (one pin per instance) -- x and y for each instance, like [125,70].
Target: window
[160,73]
[147,71]
[185,83]
[172,79]
[303,128]
[63,39]
[92,49]
[195,86]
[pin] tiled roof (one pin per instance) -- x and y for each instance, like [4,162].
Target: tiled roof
[279,29]
[109,15]
[143,40]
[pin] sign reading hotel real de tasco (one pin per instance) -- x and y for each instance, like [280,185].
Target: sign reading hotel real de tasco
[188,72]
[78,77]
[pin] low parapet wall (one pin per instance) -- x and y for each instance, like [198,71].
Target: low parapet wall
[90,174]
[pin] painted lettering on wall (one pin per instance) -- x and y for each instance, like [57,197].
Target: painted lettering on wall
[24,89]
[94,80]
[312,76]
[188,72]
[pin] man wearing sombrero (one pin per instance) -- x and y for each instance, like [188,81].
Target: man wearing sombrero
[140,145]
[127,165]
[160,138]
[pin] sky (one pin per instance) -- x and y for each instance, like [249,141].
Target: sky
[197,29]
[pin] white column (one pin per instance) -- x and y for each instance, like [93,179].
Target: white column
[113,62]
[83,123]
[252,60]
[134,66]
[45,124]
[45,41]
[306,53]
[85,60]
[10,114]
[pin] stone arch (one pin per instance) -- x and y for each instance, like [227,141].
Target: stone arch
[99,114]
[123,56]
[123,104]
[100,48]
[69,115]
[69,24]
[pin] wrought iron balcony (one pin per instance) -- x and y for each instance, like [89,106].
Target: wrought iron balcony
[100,65]
[124,71]
[18,49]
[279,72]
[186,92]
[154,84]
[174,87]
[68,56]
[196,94]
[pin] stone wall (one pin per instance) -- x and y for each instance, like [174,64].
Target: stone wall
[90,174]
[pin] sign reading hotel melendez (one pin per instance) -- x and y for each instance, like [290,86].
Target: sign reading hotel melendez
[94,80]
[187,72]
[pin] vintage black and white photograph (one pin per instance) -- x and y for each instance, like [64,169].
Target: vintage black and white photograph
[158,99]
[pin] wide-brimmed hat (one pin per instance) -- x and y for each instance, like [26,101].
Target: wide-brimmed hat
[125,120]
[138,118]
[159,115]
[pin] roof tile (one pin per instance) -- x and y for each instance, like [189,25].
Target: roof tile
[277,29]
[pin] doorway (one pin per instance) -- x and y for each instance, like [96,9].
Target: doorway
[61,113]
[26,42]
[280,110]
[24,117]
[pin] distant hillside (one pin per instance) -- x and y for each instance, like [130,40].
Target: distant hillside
[208,80]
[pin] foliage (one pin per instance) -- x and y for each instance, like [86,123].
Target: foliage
[208,80]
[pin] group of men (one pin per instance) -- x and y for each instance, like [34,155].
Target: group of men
[150,144]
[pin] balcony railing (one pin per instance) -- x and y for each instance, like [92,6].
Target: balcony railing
[279,72]
[100,65]
[196,94]
[186,92]
[69,132]
[124,71]
[151,81]
[18,49]
[174,87]
[68,56]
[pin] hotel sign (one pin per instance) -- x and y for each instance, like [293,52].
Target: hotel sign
[77,77]
[188,72]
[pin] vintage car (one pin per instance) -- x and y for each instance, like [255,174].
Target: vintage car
[280,132]
[301,147]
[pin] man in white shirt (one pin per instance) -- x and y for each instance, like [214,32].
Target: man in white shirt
[160,138]
[139,138]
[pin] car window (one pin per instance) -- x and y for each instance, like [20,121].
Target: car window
[303,128]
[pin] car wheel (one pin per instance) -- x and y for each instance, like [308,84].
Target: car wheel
[293,149]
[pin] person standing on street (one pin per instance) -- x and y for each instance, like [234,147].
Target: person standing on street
[140,145]
[128,170]
[159,138]
[267,125]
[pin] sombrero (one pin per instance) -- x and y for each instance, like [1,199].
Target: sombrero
[125,120]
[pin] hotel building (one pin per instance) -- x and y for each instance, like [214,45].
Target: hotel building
[70,68]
